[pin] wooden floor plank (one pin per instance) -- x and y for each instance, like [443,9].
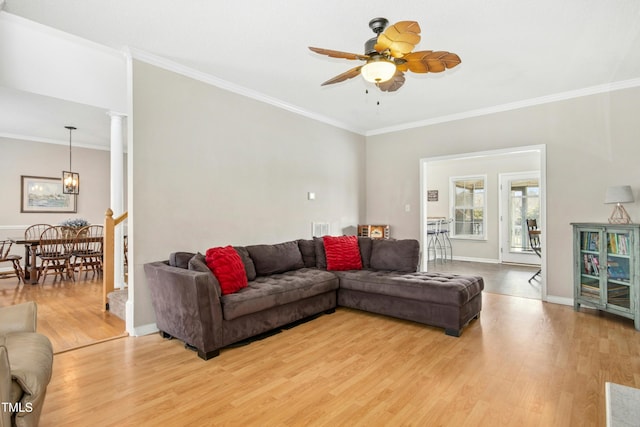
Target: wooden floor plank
[69,312]
[524,363]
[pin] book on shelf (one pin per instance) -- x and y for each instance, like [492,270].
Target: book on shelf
[591,264]
[589,290]
[613,243]
[614,289]
[590,241]
[620,301]
[617,272]
[618,244]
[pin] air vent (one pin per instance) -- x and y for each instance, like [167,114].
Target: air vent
[320,229]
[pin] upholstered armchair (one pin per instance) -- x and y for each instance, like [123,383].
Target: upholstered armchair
[26,359]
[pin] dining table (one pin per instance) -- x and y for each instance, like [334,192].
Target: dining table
[30,253]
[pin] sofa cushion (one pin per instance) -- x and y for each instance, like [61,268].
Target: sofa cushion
[199,263]
[278,258]
[440,288]
[228,268]
[365,243]
[342,253]
[308,251]
[276,290]
[180,259]
[249,266]
[321,256]
[396,255]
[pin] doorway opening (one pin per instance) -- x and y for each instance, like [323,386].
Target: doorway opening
[525,167]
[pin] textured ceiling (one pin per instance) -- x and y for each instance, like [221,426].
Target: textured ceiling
[511,51]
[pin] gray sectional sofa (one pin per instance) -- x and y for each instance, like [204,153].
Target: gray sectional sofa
[289,281]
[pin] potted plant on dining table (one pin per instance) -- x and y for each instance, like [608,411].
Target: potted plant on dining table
[71,226]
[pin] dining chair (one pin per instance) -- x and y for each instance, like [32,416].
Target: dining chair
[534,242]
[87,252]
[55,251]
[33,232]
[5,256]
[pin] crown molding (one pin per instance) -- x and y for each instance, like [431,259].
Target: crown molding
[59,34]
[563,96]
[175,67]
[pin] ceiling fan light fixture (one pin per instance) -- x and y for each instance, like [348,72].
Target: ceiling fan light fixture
[378,70]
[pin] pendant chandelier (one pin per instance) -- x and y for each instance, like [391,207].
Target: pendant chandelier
[70,180]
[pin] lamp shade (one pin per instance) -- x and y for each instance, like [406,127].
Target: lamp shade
[378,70]
[619,194]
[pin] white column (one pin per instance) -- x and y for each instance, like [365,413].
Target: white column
[117,192]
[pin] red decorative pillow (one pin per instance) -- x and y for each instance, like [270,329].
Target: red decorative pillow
[342,253]
[227,266]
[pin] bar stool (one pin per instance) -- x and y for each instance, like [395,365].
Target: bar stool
[443,238]
[433,241]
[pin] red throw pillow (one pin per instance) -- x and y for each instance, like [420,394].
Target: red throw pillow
[227,266]
[343,253]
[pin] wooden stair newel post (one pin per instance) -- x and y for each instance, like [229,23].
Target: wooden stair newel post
[108,267]
[108,274]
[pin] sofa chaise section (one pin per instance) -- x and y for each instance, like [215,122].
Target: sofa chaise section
[448,301]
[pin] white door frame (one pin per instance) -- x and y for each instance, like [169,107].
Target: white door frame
[503,208]
[541,149]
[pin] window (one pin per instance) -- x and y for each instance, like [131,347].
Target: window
[468,203]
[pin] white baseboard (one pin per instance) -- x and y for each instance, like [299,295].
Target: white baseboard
[149,329]
[560,300]
[470,259]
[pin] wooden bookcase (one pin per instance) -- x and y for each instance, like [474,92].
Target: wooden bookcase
[607,268]
[374,231]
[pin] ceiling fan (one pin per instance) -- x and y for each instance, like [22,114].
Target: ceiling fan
[389,55]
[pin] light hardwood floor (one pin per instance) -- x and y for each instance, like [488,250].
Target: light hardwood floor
[69,312]
[524,363]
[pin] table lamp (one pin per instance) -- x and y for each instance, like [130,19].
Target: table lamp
[619,194]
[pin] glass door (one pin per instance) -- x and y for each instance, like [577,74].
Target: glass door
[590,265]
[519,201]
[619,269]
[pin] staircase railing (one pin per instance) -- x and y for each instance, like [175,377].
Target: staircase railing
[108,264]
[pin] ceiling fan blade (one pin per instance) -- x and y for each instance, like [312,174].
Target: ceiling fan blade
[338,54]
[400,38]
[428,61]
[393,83]
[344,76]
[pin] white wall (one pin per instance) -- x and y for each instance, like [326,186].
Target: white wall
[214,168]
[592,142]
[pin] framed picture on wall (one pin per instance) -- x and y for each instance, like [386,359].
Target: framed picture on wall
[44,195]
